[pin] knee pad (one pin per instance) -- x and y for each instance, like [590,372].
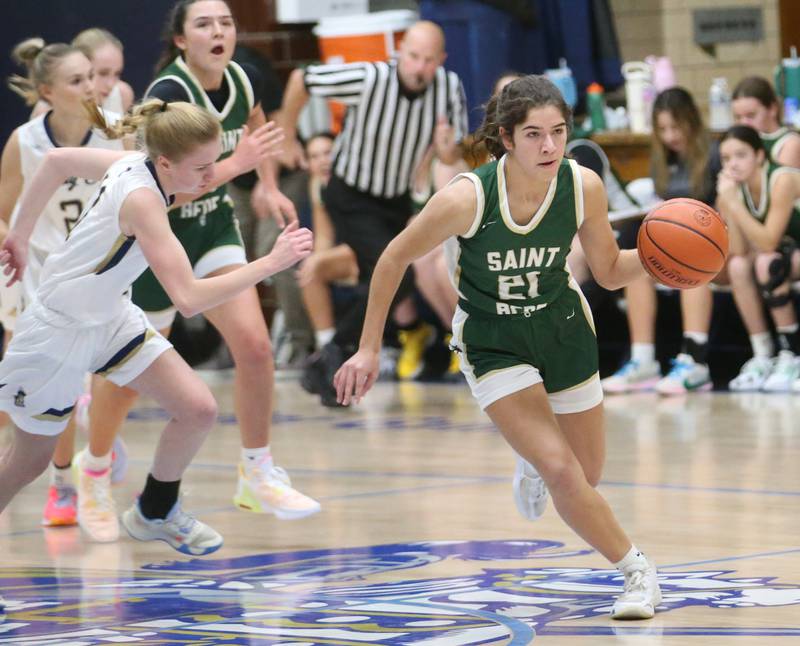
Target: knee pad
[779,271]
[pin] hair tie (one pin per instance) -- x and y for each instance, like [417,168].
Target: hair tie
[164,106]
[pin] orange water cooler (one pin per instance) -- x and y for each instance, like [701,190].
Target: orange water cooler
[363,37]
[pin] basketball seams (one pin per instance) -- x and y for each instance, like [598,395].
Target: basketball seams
[692,229]
[673,258]
[688,200]
[646,266]
[657,243]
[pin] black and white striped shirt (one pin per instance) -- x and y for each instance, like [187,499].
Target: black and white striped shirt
[385,133]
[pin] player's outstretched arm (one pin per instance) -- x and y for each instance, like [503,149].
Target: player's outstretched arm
[143,215]
[57,166]
[449,212]
[611,267]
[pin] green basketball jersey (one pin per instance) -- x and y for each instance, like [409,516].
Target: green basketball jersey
[505,268]
[770,172]
[232,117]
[774,141]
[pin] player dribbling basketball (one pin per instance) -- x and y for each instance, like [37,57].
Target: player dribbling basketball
[523,330]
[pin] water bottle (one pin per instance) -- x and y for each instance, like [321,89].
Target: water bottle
[596,105]
[719,105]
[638,94]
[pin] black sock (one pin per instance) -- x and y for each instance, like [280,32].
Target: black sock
[158,498]
[697,351]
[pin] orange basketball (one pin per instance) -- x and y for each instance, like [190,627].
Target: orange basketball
[683,243]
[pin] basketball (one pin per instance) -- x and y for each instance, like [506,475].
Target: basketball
[683,243]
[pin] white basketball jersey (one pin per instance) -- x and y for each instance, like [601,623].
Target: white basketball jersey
[86,280]
[113,102]
[66,204]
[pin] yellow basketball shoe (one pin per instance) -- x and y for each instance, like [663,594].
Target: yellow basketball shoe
[413,343]
[265,489]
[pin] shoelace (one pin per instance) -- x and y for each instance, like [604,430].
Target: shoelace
[628,368]
[279,473]
[101,496]
[272,475]
[538,486]
[634,582]
[183,521]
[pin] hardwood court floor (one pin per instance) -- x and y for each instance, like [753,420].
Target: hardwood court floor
[419,541]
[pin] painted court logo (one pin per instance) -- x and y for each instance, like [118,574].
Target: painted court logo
[383,594]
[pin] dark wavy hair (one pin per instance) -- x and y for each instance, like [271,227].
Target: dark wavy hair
[510,108]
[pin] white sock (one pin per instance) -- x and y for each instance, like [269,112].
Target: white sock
[700,338]
[94,463]
[324,337]
[61,477]
[643,353]
[633,558]
[762,345]
[261,456]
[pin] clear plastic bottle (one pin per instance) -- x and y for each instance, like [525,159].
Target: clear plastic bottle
[719,105]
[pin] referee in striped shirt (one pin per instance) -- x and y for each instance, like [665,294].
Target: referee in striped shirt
[396,111]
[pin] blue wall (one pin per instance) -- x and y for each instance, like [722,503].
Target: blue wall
[483,42]
[136,23]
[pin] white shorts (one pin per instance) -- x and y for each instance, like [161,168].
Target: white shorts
[215,259]
[42,373]
[511,380]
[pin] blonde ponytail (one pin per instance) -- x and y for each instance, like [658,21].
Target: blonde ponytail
[169,129]
[40,60]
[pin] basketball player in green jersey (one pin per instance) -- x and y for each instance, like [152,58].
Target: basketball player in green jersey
[758,198]
[755,104]
[197,68]
[523,330]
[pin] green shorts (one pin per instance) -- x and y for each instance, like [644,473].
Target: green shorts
[555,346]
[211,243]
